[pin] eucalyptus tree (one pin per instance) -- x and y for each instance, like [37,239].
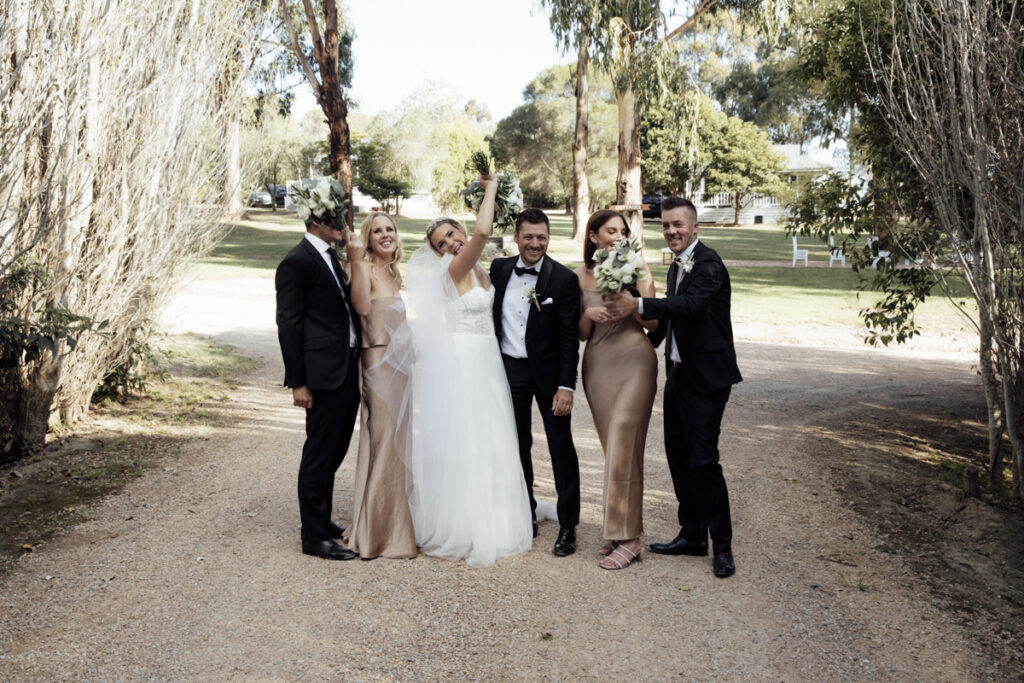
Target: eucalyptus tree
[631,39]
[324,53]
[574,23]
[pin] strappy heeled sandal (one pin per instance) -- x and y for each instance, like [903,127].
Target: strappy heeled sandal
[607,548]
[615,555]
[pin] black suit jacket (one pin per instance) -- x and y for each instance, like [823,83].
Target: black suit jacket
[312,321]
[699,319]
[552,333]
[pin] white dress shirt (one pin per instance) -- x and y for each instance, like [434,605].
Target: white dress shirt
[322,248]
[515,310]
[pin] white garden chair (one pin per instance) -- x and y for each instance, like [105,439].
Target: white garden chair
[883,254]
[799,253]
[835,253]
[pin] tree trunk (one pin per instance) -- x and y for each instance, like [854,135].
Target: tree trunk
[627,181]
[335,108]
[332,101]
[232,166]
[736,208]
[1013,413]
[996,423]
[580,183]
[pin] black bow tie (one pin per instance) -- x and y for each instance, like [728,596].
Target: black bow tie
[525,271]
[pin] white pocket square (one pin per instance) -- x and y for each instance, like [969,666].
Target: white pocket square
[547,301]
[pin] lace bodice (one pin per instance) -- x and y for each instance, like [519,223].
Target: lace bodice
[471,312]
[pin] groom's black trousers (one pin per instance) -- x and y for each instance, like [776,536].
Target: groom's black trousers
[329,425]
[564,462]
[693,422]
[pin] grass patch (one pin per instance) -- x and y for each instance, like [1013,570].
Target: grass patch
[780,295]
[116,443]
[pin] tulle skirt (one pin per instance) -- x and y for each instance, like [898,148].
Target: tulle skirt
[468,497]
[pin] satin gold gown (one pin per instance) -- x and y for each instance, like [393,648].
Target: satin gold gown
[620,376]
[381,521]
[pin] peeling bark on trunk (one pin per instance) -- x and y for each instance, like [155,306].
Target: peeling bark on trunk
[580,182]
[627,182]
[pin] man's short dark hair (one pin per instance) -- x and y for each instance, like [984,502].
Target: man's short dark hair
[669,203]
[532,216]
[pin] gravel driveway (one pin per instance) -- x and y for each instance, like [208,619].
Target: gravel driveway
[195,571]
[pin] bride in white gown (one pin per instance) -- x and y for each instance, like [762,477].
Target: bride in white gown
[467,493]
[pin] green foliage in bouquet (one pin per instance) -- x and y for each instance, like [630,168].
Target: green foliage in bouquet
[619,267]
[326,202]
[508,202]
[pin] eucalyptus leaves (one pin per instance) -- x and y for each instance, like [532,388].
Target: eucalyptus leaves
[618,267]
[509,201]
[326,202]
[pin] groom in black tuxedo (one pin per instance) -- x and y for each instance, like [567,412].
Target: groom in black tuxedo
[694,320]
[320,340]
[536,317]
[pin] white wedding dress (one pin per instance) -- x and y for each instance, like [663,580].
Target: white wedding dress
[467,493]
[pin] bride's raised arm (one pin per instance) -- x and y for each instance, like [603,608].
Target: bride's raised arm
[464,262]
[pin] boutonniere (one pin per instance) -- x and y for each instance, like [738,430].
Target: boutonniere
[531,296]
[685,263]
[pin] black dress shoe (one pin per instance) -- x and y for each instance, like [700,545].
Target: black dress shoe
[536,528]
[566,542]
[680,545]
[329,550]
[335,531]
[724,565]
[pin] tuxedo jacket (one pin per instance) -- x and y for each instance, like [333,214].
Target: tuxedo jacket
[552,333]
[312,320]
[697,316]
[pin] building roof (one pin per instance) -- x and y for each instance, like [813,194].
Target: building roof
[795,161]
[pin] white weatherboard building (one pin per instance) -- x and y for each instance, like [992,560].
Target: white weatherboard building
[797,167]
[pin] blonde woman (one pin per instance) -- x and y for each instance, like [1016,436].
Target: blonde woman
[381,523]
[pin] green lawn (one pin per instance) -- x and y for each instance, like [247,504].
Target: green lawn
[782,295]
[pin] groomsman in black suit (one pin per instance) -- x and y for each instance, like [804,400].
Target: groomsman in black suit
[536,317]
[701,359]
[320,340]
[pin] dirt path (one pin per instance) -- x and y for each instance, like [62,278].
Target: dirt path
[194,572]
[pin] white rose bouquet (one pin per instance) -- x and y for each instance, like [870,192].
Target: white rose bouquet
[508,203]
[619,267]
[326,202]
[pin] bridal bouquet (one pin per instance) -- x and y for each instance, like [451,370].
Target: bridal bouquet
[326,202]
[508,203]
[619,267]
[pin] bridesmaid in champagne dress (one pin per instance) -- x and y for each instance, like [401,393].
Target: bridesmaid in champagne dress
[381,522]
[620,371]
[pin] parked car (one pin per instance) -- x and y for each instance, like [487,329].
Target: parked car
[279,194]
[654,206]
[260,198]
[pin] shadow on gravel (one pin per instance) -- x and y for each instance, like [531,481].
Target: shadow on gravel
[899,463]
[115,444]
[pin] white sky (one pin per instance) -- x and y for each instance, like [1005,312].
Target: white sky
[488,50]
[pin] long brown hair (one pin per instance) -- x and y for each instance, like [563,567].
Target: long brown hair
[396,258]
[596,222]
